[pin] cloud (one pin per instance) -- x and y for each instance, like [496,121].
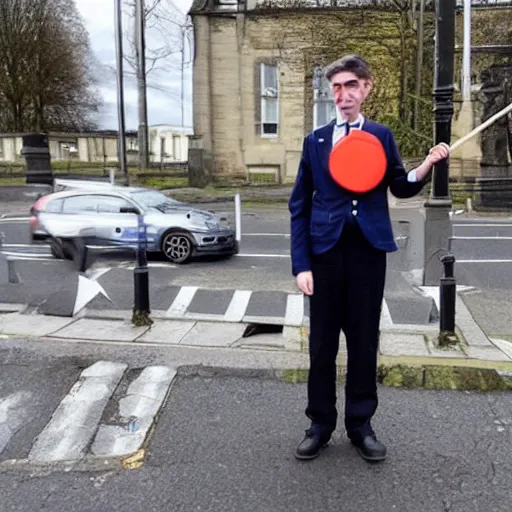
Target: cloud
[164,86]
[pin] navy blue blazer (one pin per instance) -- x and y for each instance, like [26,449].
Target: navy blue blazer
[319,207]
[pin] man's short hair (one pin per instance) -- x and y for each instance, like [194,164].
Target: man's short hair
[350,63]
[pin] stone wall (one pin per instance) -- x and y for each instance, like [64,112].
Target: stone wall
[229,50]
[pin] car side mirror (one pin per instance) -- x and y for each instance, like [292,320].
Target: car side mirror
[129,209]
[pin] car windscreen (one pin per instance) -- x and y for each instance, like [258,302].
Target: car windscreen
[154,199]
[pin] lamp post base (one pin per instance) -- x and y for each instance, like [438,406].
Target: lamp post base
[438,231]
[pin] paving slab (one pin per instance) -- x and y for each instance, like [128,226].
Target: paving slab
[448,352]
[474,335]
[167,331]
[487,354]
[31,325]
[209,334]
[492,310]
[101,330]
[267,341]
[403,345]
[503,345]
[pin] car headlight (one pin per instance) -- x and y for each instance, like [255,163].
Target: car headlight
[211,224]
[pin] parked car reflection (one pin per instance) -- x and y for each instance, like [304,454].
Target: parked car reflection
[104,215]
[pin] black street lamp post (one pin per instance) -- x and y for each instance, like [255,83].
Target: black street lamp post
[438,228]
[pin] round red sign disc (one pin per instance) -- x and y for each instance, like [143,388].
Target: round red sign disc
[358,162]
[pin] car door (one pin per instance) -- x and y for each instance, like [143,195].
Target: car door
[117,222]
[77,218]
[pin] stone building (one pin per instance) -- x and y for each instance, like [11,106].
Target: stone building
[255,93]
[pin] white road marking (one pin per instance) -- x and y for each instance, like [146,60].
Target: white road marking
[249,255]
[139,407]
[150,265]
[483,261]
[7,220]
[386,321]
[501,225]
[285,235]
[14,412]
[238,306]
[182,301]
[73,424]
[23,257]
[28,254]
[87,290]
[294,309]
[481,238]
[32,246]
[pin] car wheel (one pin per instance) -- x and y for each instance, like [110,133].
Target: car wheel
[177,247]
[56,249]
[68,249]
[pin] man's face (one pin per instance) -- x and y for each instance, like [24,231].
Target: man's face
[349,93]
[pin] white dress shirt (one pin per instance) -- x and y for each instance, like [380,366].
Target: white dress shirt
[340,129]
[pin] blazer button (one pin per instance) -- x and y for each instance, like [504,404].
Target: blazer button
[354,202]
[354,212]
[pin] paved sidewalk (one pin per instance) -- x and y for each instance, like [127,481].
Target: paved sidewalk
[409,354]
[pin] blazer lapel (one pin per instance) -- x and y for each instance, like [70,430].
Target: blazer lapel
[324,139]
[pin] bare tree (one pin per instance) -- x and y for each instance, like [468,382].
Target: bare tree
[45,64]
[167,38]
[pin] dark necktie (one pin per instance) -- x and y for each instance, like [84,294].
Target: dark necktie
[351,125]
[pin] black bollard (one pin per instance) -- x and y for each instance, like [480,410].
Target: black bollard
[141,309]
[447,296]
[36,152]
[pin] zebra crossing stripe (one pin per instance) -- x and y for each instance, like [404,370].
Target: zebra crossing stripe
[294,309]
[74,422]
[14,412]
[238,306]
[182,301]
[144,397]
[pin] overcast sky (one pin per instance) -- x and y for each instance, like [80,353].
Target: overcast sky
[164,106]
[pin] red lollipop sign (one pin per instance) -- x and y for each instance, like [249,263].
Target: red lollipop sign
[358,162]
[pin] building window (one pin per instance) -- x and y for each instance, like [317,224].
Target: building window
[324,108]
[269,100]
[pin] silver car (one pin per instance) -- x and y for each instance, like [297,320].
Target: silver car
[109,216]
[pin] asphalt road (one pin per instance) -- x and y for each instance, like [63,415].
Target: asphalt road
[482,247]
[483,252]
[262,265]
[226,444]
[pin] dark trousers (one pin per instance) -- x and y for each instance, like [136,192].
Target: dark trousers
[348,288]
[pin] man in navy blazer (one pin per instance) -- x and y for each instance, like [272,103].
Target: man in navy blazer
[339,242]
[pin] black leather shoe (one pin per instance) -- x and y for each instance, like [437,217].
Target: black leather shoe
[312,445]
[371,449]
